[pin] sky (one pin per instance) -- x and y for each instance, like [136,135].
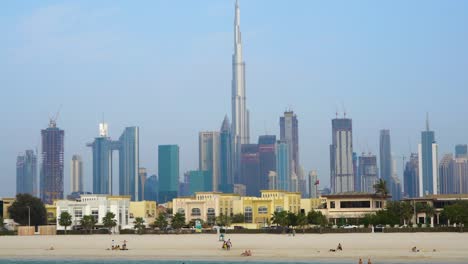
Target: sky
[165,66]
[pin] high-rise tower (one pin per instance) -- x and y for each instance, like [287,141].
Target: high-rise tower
[341,156]
[102,148]
[428,163]
[76,180]
[240,115]
[26,173]
[51,182]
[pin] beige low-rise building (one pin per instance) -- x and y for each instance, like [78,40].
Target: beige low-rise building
[147,210]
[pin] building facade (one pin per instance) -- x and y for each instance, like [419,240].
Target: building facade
[102,148]
[289,133]
[461,151]
[96,205]
[283,170]
[313,184]
[52,163]
[142,176]
[267,156]
[250,169]
[341,156]
[168,171]
[129,163]
[446,175]
[26,173]
[76,181]
[151,188]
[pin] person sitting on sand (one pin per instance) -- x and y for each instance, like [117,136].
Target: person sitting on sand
[332,250]
[124,245]
[414,249]
[224,245]
[229,244]
[369,262]
[247,253]
[339,247]
[360,260]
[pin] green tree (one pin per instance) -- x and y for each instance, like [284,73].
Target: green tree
[381,188]
[139,225]
[429,211]
[223,220]
[109,221]
[302,221]
[65,220]
[237,218]
[316,218]
[178,221]
[291,219]
[2,225]
[88,222]
[456,213]
[20,213]
[280,218]
[161,222]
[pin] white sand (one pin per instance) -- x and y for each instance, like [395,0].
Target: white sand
[450,247]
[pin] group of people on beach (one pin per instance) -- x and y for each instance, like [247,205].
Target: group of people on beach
[368,261]
[117,247]
[227,244]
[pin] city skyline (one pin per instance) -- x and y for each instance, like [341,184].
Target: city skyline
[314,128]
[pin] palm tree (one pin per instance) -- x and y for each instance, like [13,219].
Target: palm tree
[109,221]
[139,225]
[302,221]
[280,218]
[88,222]
[223,220]
[65,220]
[430,212]
[161,221]
[381,188]
[406,212]
[238,218]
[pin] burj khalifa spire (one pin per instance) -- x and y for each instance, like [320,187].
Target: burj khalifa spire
[240,115]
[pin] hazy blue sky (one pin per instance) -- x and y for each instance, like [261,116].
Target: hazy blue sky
[166,67]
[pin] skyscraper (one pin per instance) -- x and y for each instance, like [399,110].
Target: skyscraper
[289,133]
[240,115]
[226,184]
[168,170]
[411,177]
[250,169]
[313,184]
[129,163]
[428,163]
[461,151]
[209,157]
[341,156]
[51,182]
[267,156]
[151,188]
[283,170]
[395,184]
[460,171]
[102,161]
[446,174]
[76,181]
[26,173]
[385,156]
[368,172]
[142,176]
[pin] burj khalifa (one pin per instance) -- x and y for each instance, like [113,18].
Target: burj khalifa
[240,114]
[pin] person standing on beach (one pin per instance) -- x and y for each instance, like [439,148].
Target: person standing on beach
[113,244]
[360,260]
[229,244]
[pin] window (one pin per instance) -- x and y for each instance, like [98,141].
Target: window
[332,204]
[378,204]
[248,214]
[78,213]
[95,214]
[355,204]
[278,209]
[196,212]
[210,215]
[181,211]
[263,210]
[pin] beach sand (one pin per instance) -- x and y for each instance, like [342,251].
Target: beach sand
[450,247]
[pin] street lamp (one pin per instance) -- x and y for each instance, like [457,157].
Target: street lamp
[29,215]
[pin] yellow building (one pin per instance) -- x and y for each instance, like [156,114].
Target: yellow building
[148,210]
[310,204]
[257,211]
[51,212]
[6,203]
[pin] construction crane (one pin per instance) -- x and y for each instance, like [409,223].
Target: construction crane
[53,119]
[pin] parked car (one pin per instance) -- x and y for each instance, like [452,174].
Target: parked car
[349,227]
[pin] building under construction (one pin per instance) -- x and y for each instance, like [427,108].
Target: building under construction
[51,179]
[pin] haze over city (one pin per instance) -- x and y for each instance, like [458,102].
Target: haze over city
[166,67]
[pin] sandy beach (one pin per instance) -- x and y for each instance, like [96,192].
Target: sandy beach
[450,247]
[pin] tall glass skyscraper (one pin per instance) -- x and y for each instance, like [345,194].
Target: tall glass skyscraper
[226,184]
[250,169]
[209,156]
[385,155]
[428,163]
[26,173]
[129,163]
[368,172]
[102,148]
[411,177]
[283,170]
[51,179]
[461,151]
[151,188]
[267,156]
[168,170]
[341,156]
[289,132]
